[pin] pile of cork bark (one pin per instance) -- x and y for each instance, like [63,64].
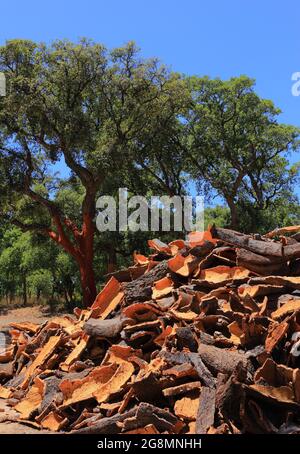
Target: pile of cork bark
[200,337]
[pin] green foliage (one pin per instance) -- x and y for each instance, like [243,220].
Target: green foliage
[118,120]
[109,115]
[283,212]
[235,142]
[218,216]
[33,268]
[41,282]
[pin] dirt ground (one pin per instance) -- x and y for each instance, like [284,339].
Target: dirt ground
[35,314]
[28,314]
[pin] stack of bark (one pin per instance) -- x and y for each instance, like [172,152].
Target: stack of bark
[199,337]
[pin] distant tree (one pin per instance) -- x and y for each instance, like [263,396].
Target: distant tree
[22,261]
[283,211]
[218,216]
[235,143]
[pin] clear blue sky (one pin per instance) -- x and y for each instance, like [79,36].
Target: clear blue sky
[223,38]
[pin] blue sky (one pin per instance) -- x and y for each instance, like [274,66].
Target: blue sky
[219,38]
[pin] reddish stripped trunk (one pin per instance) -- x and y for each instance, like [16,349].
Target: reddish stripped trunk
[66,233]
[87,275]
[87,280]
[83,252]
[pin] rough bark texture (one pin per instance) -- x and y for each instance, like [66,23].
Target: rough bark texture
[105,328]
[140,289]
[210,350]
[206,410]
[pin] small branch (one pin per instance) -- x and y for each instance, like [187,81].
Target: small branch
[33,227]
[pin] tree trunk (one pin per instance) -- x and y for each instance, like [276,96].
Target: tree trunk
[87,275]
[67,302]
[234,223]
[77,243]
[88,285]
[24,290]
[112,260]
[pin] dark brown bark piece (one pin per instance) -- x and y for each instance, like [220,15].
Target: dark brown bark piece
[203,372]
[186,339]
[227,252]
[105,328]
[202,251]
[51,392]
[220,360]
[165,303]
[182,389]
[147,388]
[247,242]
[290,283]
[230,396]
[146,413]
[137,417]
[6,370]
[250,258]
[106,425]
[140,289]
[260,264]
[206,410]
[85,419]
[296,236]
[291,251]
[180,358]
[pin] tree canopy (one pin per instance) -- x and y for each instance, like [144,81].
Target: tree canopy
[113,119]
[235,143]
[97,110]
